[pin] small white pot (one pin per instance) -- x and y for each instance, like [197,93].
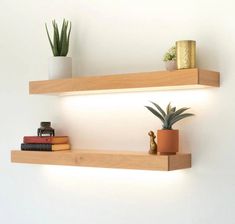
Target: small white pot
[170,65]
[60,67]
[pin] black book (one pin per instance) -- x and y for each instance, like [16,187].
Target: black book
[44,147]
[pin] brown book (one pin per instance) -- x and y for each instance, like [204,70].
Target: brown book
[46,139]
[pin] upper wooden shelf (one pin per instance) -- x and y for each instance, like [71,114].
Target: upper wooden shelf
[105,159]
[156,80]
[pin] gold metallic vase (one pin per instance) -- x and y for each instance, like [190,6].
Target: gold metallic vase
[186,54]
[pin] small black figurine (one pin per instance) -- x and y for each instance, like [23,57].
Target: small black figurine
[153,144]
[46,129]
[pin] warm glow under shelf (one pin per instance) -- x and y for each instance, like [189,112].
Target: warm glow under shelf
[156,80]
[104,159]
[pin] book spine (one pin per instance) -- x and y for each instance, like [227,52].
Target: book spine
[29,140]
[45,139]
[36,147]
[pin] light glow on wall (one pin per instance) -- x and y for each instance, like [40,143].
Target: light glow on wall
[137,98]
[98,121]
[69,176]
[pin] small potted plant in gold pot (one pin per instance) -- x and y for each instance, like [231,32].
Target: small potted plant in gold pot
[170,59]
[167,138]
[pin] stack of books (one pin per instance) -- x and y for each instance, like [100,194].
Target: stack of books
[45,143]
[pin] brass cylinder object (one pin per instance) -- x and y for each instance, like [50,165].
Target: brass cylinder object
[186,54]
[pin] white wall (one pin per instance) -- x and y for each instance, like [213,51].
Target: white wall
[115,37]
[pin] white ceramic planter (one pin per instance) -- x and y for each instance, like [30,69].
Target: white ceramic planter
[60,67]
[170,65]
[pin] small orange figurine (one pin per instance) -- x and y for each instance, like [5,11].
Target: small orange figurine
[153,144]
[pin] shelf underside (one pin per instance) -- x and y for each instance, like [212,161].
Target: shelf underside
[104,159]
[156,80]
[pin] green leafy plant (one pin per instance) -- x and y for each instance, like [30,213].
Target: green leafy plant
[170,55]
[60,44]
[170,116]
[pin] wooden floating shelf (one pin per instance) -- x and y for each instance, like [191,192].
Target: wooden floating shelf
[104,159]
[156,80]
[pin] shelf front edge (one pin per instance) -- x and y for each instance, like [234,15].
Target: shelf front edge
[179,79]
[85,158]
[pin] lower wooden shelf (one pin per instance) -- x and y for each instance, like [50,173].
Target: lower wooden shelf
[104,159]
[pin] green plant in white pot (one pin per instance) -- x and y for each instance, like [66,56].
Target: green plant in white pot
[60,66]
[167,138]
[170,59]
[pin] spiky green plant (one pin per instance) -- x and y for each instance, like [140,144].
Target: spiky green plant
[170,116]
[60,44]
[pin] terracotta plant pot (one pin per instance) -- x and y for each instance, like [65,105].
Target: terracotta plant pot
[168,142]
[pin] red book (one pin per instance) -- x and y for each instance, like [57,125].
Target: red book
[46,139]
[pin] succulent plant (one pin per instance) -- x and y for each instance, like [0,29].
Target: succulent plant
[60,44]
[170,55]
[170,116]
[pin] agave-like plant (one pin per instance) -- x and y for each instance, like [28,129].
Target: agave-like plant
[60,44]
[170,116]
